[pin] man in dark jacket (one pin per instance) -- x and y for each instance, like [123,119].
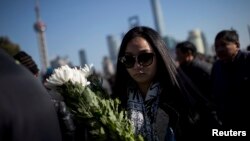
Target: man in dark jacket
[198,71]
[231,81]
[26,111]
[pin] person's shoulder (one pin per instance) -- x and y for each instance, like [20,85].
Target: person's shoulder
[244,55]
[247,54]
[202,65]
[247,57]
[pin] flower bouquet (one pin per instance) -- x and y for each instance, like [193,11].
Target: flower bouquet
[90,104]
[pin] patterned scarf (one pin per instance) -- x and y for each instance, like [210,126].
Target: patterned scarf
[142,112]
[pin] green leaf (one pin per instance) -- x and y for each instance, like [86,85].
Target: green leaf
[91,106]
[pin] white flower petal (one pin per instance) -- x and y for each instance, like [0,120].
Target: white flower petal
[87,70]
[64,74]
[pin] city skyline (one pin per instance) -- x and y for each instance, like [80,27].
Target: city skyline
[76,25]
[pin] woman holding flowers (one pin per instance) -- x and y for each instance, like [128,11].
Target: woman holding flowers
[95,114]
[151,89]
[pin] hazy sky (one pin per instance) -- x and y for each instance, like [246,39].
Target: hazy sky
[84,24]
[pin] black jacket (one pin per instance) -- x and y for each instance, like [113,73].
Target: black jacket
[190,116]
[199,73]
[26,112]
[231,89]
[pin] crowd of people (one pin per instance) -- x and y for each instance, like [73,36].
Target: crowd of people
[167,99]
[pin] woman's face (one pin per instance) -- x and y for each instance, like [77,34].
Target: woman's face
[138,50]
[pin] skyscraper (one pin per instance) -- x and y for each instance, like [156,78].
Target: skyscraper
[113,48]
[83,59]
[108,67]
[158,17]
[40,28]
[196,38]
[204,40]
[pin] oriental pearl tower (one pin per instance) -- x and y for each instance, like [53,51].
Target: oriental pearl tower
[40,28]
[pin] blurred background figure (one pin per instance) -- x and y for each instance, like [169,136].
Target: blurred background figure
[196,69]
[8,46]
[20,56]
[248,48]
[26,110]
[231,81]
[26,60]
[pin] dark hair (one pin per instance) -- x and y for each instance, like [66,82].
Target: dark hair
[186,46]
[228,36]
[27,61]
[166,69]
[178,97]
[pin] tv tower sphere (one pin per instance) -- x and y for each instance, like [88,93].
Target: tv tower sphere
[39,26]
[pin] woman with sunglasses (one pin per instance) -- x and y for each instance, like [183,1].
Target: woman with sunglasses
[151,89]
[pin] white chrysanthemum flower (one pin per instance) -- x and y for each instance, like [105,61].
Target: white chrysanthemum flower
[64,74]
[88,70]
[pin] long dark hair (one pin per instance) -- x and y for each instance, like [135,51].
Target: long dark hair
[166,69]
[179,97]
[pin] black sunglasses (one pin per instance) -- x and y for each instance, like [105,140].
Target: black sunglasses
[144,59]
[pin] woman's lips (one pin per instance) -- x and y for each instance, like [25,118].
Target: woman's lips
[140,73]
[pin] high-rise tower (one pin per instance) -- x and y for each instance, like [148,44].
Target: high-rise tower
[83,59]
[196,38]
[40,28]
[158,17]
[113,48]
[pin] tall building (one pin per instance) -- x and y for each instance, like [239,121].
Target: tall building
[40,28]
[158,17]
[82,56]
[205,43]
[108,67]
[196,38]
[113,48]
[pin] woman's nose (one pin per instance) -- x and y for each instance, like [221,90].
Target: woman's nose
[137,65]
